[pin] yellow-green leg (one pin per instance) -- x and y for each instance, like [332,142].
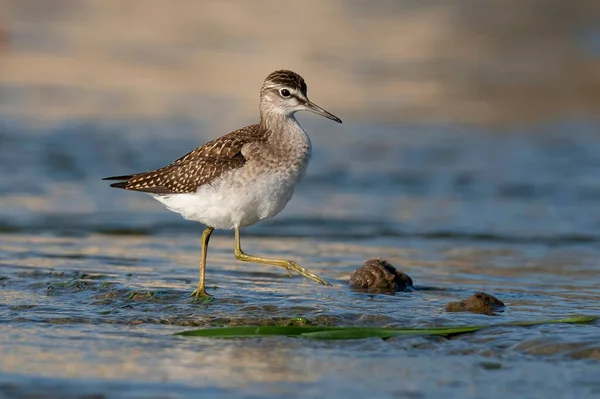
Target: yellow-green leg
[200,292]
[289,265]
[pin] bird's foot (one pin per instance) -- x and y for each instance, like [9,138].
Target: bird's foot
[291,265]
[200,296]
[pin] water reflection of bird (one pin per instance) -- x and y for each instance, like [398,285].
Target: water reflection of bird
[243,177]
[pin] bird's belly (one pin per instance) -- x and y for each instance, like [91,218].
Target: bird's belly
[234,200]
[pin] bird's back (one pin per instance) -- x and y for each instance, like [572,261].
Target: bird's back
[198,167]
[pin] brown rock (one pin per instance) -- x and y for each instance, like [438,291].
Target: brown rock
[377,275]
[477,303]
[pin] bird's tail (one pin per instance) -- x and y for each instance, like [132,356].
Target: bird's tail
[121,184]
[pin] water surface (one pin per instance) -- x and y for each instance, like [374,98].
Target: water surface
[96,280]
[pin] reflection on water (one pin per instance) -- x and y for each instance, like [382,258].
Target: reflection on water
[93,281]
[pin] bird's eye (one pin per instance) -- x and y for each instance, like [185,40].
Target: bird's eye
[285,93]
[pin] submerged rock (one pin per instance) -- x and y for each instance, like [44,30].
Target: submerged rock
[477,303]
[377,275]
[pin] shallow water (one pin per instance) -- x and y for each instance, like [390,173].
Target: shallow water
[103,308]
[95,281]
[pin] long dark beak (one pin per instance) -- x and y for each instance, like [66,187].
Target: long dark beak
[320,111]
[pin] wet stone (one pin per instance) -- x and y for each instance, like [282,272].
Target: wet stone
[140,296]
[477,303]
[377,275]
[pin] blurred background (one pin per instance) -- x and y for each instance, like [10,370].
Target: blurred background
[468,157]
[446,106]
[393,61]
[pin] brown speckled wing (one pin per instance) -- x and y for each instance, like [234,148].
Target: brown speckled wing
[198,167]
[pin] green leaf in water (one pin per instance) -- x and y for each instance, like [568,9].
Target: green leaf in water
[330,333]
[358,333]
[568,320]
[254,331]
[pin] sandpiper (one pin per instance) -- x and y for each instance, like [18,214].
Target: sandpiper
[242,177]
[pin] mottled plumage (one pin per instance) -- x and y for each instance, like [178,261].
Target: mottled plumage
[198,167]
[243,177]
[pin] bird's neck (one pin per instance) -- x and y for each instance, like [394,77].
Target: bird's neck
[285,132]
